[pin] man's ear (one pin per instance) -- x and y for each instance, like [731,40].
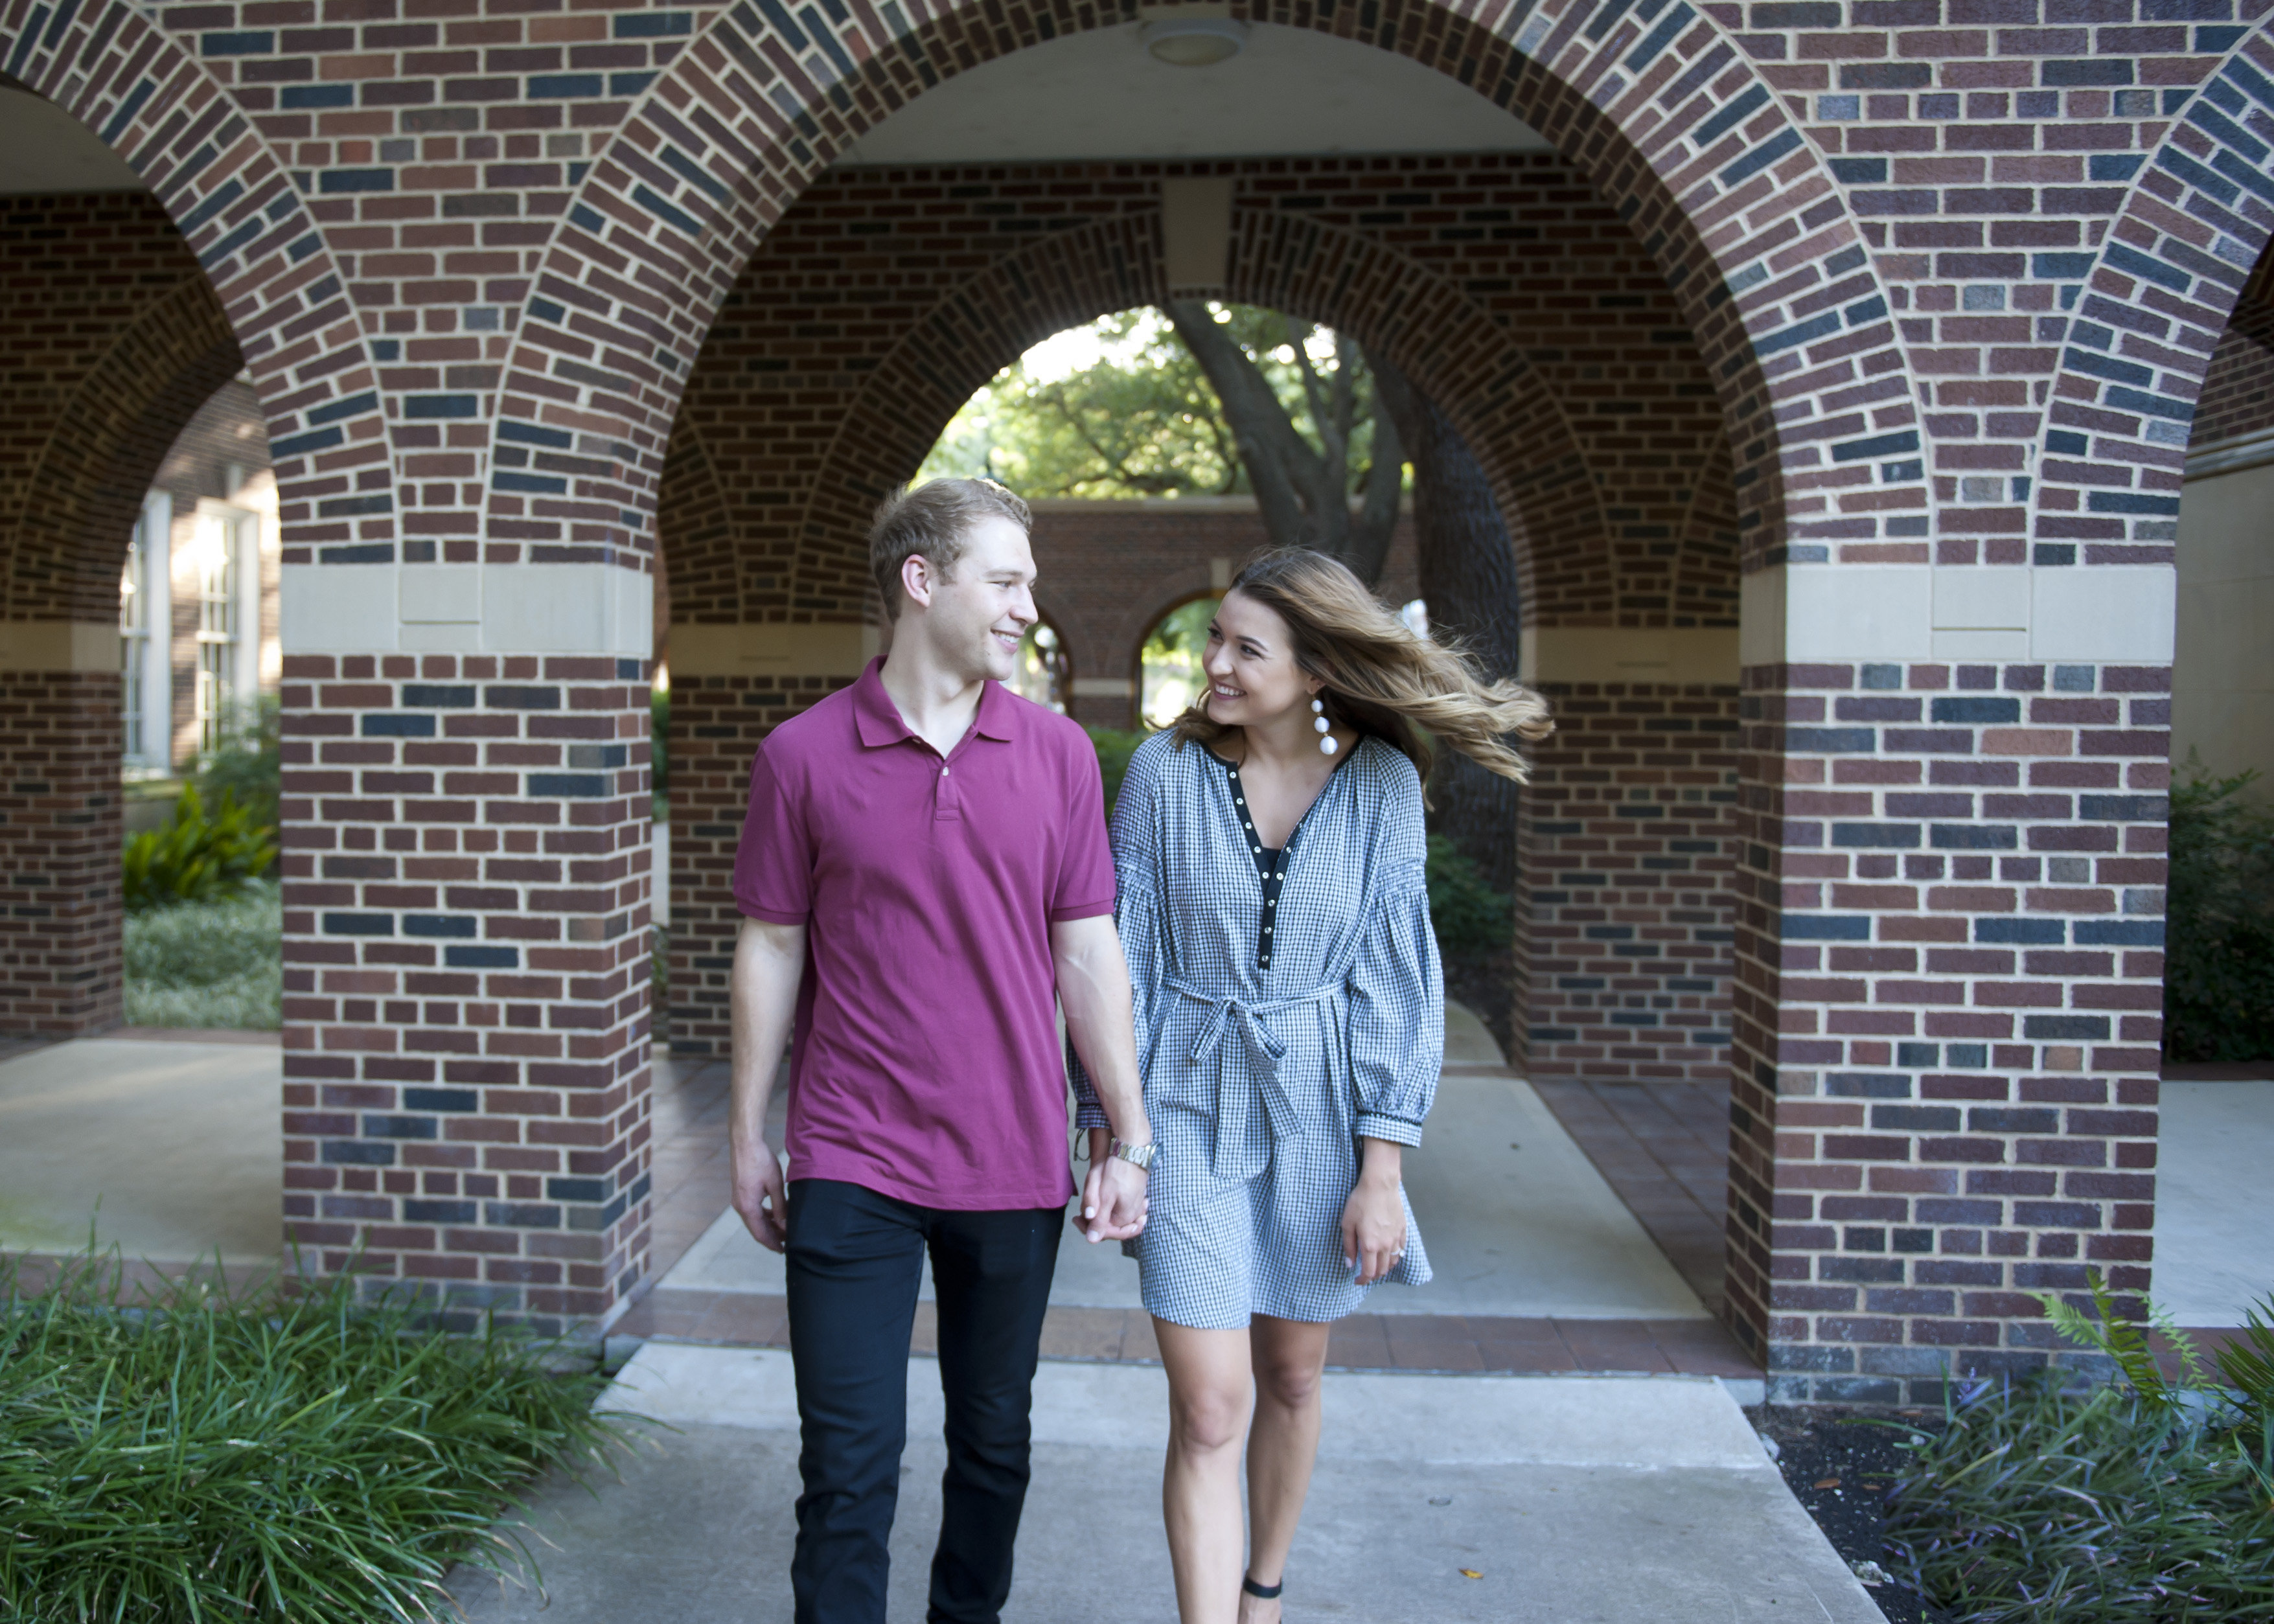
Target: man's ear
[916,578]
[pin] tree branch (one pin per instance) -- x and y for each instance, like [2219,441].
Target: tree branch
[1275,455]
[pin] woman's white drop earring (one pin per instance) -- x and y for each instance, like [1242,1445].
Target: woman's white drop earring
[1327,746]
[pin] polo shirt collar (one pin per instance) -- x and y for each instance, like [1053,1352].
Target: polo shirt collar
[877,719]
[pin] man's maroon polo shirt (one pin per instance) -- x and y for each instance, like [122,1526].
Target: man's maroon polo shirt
[926,1064]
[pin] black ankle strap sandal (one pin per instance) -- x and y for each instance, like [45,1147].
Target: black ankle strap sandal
[1261,1592]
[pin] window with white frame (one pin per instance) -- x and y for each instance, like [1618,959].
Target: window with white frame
[143,613]
[227,559]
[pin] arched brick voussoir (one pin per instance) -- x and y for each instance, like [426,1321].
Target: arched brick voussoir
[1657,106]
[138,89]
[967,337]
[2140,340]
[1674,126]
[69,541]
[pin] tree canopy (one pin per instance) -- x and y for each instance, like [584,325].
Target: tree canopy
[1143,419]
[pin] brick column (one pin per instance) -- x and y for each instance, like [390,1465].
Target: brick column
[60,911]
[730,686]
[466,965]
[1628,853]
[1949,968]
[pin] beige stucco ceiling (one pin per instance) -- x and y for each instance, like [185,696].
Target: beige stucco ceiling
[1099,94]
[42,148]
[1094,94]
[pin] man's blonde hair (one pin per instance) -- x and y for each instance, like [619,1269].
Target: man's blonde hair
[934,519]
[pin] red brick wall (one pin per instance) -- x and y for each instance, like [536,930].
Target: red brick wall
[1109,571]
[466,975]
[111,339]
[60,913]
[2238,393]
[1948,1013]
[852,337]
[1628,853]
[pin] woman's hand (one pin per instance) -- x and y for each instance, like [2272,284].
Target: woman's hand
[1374,1218]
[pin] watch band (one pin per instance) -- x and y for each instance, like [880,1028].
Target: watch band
[1136,1156]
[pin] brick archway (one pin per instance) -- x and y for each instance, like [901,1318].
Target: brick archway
[114,69]
[102,424]
[70,536]
[1455,353]
[2154,304]
[1669,121]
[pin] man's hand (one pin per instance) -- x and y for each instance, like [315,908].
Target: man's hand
[760,1196]
[1114,1203]
[769,963]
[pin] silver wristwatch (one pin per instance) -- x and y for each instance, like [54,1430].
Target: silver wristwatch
[1136,1156]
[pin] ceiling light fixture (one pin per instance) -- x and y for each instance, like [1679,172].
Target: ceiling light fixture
[1195,42]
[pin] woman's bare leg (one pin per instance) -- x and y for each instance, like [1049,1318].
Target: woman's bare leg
[1209,1395]
[1288,1358]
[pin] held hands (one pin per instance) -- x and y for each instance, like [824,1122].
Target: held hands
[1113,1199]
[760,1196]
[1374,1218]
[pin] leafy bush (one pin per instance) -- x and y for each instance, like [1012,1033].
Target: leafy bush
[247,762]
[1115,746]
[2148,1502]
[214,963]
[2218,965]
[196,858]
[1473,921]
[262,1454]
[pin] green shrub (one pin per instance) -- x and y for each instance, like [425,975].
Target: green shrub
[1115,746]
[262,1455]
[2218,961]
[2143,1502]
[247,762]
[196,858]
[213,963]
[1473,921]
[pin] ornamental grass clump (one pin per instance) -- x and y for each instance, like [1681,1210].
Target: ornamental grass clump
[262,1454]
[2142,1501]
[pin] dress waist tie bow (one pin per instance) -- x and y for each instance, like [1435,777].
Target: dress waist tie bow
[1264,1051]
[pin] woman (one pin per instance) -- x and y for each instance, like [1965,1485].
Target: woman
[1289,1022]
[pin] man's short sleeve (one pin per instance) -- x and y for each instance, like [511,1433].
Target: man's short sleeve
[773,865]
[1085,887]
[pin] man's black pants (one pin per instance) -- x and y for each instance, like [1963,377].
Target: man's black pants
[855,1263]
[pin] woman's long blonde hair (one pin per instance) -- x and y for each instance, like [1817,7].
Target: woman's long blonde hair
[1381,677]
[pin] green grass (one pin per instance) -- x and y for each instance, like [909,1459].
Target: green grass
[214,963]
[262,1456]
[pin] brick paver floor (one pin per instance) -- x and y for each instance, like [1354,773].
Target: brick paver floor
[691,1185]
[1664,1149]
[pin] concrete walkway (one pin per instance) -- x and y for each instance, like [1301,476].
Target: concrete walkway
[1570,1501]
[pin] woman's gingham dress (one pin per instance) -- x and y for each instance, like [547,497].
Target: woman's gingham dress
[1284,1012]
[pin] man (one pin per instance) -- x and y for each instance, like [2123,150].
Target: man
[923,864]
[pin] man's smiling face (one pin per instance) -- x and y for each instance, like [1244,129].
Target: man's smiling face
[982,608]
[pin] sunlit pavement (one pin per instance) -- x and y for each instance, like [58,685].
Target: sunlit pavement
[1444,1500]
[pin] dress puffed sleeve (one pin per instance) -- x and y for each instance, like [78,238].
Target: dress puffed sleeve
[1137,912]
[1397,985]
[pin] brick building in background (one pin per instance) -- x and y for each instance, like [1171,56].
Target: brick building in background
[1835,367]
[197,603]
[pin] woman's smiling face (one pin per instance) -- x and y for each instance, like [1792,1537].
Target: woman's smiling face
[1250,663]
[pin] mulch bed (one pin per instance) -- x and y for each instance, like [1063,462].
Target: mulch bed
[1840,1465]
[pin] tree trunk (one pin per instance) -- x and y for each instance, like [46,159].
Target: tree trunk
[1468,581]
[1303,495]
